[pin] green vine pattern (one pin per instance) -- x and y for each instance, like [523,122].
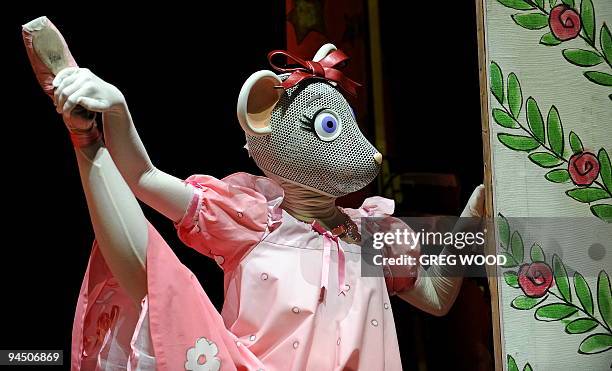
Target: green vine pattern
[537,15]
[556,301]
[545,142]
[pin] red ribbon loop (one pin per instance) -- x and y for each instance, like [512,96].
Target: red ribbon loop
[325,69]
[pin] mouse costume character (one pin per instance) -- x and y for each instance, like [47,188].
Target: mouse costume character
[294,295]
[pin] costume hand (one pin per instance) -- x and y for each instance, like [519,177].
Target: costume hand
[475,205]
[80,87]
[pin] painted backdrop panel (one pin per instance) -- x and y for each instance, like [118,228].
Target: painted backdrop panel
[550,120]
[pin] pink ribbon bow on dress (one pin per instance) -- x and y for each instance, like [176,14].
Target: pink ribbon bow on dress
[329,239]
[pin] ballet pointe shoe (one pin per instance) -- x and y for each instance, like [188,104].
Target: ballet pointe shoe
[49,54]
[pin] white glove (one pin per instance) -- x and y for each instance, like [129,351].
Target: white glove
[475,205]
[79,86]
[437,288]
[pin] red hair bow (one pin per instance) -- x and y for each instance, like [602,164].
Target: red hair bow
[326,69]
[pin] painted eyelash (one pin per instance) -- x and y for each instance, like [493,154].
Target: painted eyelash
[307,123]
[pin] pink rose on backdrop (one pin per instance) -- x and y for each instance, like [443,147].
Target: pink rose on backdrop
[583,168]
[535,279]
[564,22]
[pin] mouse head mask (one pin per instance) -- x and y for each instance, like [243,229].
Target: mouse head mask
[299,127]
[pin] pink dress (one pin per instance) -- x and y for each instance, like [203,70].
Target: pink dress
[274,316]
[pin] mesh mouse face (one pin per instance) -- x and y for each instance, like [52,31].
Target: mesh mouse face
[306,134]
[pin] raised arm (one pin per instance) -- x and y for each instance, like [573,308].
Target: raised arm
[436,289]
[163,192]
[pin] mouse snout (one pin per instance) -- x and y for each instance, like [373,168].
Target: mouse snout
[378,158]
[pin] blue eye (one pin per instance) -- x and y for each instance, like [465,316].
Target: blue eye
[327,125]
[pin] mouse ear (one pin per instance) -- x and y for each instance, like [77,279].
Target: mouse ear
[256,101]
[323,52]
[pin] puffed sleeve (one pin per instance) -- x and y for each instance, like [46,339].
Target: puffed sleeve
[223,220]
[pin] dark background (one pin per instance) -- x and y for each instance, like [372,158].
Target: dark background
[181,74]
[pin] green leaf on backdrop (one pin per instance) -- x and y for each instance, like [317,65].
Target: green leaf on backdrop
[554,312]
[515,95]
[534,119]
[596,343]
[583,291]
[512,364]
[605,168]
[511,279]
[517,247]
[587,15]
[545,159]
[497,82]
[531,21]
[587,194]
[603,212]
[558,176]
[561,279]
[518,142]
[504,230]
[549,39]
[600,78]
[604,298]
[537,254]
[516,4]
[569,3]
[575,142]
[523,302]
[605,41]
[580,326]
[555,131]
[503,119]
[582,58]
[510,262]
